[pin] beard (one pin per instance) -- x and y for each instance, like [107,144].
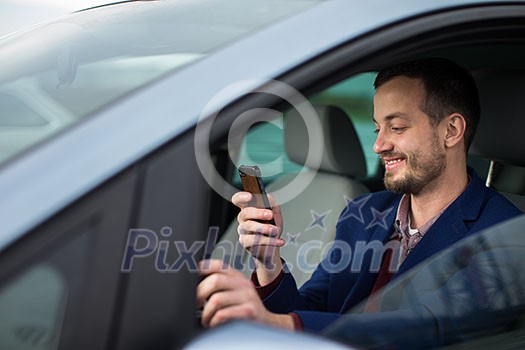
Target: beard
[421,170]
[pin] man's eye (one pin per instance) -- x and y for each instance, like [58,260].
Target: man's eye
[376,131]
[397,129]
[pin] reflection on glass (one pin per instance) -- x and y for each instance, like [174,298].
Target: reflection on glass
[472,293]
[63,71]
[32,308]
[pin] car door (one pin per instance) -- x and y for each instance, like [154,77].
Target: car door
[82,280]
[59,285]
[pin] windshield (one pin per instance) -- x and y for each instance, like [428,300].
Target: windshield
[65,70]
[471,295]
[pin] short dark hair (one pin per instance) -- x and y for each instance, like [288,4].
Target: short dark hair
[448,87]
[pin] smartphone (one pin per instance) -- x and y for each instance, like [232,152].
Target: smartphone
[252,182]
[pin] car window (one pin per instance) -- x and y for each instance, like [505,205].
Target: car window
[264,143]
[93,57]
[32,309]
[33,303]
[472,294]
[355,96]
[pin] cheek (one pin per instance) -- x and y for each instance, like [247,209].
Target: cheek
[418,144]
[405,145]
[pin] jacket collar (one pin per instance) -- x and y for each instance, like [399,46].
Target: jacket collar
[470,201]
[451,225]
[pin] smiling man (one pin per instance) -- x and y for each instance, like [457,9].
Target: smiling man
[426,113]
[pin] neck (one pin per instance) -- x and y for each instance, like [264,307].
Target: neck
[427,204]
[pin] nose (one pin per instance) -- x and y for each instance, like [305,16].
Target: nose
[382,144]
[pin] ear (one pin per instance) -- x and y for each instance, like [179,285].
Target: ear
[455,129]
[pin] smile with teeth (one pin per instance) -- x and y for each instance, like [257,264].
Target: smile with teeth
[393,161]
[391,164]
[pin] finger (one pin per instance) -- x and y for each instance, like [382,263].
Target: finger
[245,311]
[210,266]
[276,209]
[255,227]
[219,276]
[271,199]
[221,300]
[212,284]
[252,213]
[249,241]
[242,199]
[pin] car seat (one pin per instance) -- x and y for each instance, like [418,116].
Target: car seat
[499,137]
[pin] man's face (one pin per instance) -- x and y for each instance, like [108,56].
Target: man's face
[409,146]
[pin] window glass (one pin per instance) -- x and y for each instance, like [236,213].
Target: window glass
[72,67]
[32,308]
[16,114]
[33,303]
[470,293]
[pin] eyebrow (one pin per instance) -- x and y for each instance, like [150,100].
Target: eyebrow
[393,116]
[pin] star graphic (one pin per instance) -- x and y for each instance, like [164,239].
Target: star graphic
[379,218]
[292,238]
[318,219]
[355,207]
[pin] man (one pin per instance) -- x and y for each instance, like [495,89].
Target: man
[426,113]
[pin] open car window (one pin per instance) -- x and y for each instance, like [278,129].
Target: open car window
[264,144]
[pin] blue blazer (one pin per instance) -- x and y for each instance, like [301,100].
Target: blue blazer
[347,275]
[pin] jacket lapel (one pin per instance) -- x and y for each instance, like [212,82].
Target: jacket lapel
[445,231]
[364,283]
[451,226]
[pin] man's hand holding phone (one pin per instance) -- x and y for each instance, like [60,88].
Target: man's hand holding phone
[226,294]
[259,228]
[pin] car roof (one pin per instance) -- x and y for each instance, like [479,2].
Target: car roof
[28,183]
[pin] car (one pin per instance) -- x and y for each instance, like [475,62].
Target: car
[122,127]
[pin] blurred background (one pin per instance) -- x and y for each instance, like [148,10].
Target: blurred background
[18,14]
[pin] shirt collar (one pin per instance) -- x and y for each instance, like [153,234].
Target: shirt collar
[402,214]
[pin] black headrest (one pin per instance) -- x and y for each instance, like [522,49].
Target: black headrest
[500,135]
